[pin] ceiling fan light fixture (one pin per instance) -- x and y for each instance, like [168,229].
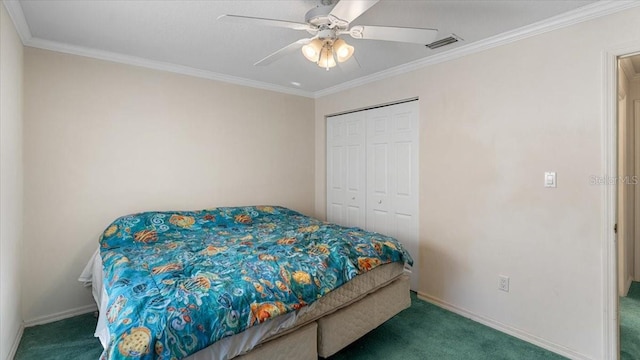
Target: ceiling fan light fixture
[312,50]
[343,50]
[326,58]
[332,19]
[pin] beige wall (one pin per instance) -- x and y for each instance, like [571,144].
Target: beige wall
[11,167]
[105,139]
[491,124]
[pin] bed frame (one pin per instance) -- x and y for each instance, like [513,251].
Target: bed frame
[333,331]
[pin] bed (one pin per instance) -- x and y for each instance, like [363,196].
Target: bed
[242,282]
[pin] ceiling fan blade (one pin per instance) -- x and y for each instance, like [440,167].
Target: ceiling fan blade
[388,33]
[291,48]
[266,22]
[348,10]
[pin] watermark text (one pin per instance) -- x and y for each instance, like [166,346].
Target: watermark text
[614,180]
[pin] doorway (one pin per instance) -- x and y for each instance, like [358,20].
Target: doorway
[628,91]
[628,204]
[609,157]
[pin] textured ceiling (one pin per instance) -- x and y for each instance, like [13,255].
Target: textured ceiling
[186,33]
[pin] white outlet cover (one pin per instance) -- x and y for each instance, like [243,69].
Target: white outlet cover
[503,283]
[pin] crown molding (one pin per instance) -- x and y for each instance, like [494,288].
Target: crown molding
[592,11]
[17,16]
[160,65]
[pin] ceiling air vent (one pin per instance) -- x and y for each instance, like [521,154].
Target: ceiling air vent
[442,42]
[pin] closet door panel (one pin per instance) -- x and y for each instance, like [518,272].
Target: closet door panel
[404,136]
[405,164]
[346,154]
[378,220]
[378,188]
[335,171]
[380,153]
[356,174]
[392,176]
[403,168]
[379,169]
[354,186]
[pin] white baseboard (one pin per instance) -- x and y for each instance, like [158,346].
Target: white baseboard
[16,343]
[522,335]
[627,286]
[61,315]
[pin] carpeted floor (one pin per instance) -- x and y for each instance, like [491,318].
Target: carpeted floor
[630,324]
[61,340]
[423,331]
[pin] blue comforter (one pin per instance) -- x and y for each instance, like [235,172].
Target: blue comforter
[180,281]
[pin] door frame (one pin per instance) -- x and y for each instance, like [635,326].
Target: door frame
[609,144]
[636,242]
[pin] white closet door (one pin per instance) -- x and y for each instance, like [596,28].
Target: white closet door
[380,180]
[372,173]
[392,176]
[346,170]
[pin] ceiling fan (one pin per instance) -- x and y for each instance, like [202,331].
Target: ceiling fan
[327,23]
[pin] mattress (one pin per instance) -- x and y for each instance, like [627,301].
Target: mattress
[241,343]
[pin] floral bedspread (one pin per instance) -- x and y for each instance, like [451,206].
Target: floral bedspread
[180,281]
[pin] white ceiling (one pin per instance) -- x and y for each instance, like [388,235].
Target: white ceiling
[186,33]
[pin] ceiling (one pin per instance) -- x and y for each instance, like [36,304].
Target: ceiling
[186,35]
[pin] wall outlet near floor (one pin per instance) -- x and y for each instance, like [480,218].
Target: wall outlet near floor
[503,283]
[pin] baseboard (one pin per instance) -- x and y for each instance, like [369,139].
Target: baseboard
[60,315]
[628,286]
[16,343]
[522,335]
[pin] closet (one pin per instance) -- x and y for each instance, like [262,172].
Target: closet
[372,173]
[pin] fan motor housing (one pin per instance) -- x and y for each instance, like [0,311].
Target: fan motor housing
[327,35]
[319,15]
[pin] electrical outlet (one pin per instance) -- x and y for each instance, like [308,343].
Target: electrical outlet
[503,283]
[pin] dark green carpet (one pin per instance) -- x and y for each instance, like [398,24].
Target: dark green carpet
[423,331]
[630,324]
[61,340]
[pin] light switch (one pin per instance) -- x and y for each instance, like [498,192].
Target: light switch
[549,179]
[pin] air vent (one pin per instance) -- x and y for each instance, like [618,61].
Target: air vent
[442,42]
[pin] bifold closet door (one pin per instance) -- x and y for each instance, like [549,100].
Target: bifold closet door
[346,173]
[372,173]
[392,176]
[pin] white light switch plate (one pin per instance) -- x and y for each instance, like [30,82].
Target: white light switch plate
[550,179]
